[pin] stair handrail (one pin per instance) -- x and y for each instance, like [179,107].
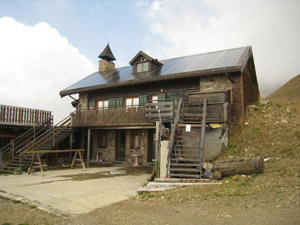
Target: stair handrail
[201,144]
[172,135]
[21,136]
[63,121]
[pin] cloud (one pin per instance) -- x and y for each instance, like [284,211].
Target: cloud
[37,63]
[188,27]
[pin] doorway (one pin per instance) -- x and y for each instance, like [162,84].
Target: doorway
[151,146]
[120,145]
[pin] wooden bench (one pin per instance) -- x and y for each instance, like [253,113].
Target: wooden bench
[36,153]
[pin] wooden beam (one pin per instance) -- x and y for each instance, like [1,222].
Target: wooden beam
[55,151]
[192,125]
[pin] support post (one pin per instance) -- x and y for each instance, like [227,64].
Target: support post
[88,148]
[157,141]
[71,145]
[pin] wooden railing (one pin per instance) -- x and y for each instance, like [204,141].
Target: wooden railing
[172,135]
[110,117]
[159,111]
[24,116]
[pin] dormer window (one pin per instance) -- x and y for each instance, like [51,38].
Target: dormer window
[142,67]
[143,63]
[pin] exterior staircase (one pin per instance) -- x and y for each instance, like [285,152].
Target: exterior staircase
[44,139]
[186,148]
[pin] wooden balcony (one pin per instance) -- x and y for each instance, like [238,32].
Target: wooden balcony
[13,115]
[110,117]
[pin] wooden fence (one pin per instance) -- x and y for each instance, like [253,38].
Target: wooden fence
[14,115]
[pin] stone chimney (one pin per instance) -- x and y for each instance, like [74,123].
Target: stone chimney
[106,64]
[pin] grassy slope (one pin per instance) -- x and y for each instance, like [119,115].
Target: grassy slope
[288,94]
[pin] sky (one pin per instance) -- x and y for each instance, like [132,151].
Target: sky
[47,45]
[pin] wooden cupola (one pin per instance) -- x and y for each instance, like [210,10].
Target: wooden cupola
[106,56]
[142,63]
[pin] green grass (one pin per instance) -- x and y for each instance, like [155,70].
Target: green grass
[16,202]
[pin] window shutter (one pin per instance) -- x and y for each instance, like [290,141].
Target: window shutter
[111,103]
[161,97]
[174,95]
[91,104]
[119,102]
[143,100]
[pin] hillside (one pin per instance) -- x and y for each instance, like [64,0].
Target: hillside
[289,93]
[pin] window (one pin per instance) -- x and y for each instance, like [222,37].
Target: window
[154,98]
[142,67]
[132,102]
[102,104]
[135,139]
[102,139]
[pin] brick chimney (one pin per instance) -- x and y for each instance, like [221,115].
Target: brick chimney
[106,64]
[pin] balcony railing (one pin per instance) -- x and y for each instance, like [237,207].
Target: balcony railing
[110,117]
[13,115]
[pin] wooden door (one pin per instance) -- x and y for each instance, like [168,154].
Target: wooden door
[151,146]
[120,143]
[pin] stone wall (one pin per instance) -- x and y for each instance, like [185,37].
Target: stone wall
[108,153]
[142,151]
[214,83]
[83,99]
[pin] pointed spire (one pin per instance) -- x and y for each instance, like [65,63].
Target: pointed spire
[107,54]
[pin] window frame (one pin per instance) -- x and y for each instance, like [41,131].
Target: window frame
[145,66]
[131,106]
[156,100]
[133,143]
[102,134]
[103,104]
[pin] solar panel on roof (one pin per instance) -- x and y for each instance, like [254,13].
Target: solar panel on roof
[204,61]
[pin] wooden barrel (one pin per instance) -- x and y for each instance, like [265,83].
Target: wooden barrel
[239,167]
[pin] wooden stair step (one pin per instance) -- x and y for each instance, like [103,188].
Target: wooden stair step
[184,169]
[183,164]
[183,175]
[186,159]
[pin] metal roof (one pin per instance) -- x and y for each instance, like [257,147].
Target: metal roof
[229,60]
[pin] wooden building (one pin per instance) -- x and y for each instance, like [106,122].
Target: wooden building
[115,116]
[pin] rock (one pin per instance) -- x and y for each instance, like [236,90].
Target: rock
[284,121]
[277,199]
[231,157]
[207,165]
[227,216]
[217,175]
[264,101]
